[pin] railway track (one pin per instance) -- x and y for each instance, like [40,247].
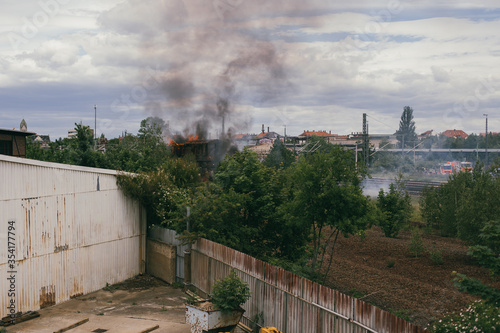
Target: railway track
[414,187]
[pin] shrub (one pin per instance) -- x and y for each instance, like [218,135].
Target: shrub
[395,207]
[230,293]
[390,263]
[464,205]
[477,317]
[435,254]
[416,245]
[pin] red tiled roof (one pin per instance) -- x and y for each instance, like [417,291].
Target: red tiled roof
[318,133]
[426,133]
[455,134]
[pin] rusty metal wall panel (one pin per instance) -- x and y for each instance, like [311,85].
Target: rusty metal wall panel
[71,238]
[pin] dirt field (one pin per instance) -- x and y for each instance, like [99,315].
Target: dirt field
[415,288]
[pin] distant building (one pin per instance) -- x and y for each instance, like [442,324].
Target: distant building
[262,149]
[323,134]
[13,142]
[455,134]
[244,140]
[42,140]
[266,137]
[72,133]
[491,133]
[425,135]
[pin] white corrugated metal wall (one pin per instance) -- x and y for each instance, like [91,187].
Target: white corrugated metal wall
[75,231]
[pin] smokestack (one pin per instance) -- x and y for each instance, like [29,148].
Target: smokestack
[223,131]
[267,129]
[263,129]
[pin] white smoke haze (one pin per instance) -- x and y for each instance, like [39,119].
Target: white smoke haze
[372,187]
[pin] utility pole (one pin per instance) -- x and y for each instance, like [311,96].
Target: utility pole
[486,151]
[366,143]
[356,157]
[95,127]
[403,146]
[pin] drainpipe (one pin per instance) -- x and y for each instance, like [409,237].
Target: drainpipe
[187,257]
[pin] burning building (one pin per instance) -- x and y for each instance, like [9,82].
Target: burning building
[207,153]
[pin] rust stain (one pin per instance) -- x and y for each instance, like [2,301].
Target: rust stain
[28,228]
[47,296]
[61,248]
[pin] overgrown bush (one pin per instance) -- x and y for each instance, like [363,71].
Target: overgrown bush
[488,255]
[477,317]
[163,191]
[230,293]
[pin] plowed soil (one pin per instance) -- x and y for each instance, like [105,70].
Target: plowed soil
[415,288]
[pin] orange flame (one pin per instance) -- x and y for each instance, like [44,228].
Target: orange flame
[191,138]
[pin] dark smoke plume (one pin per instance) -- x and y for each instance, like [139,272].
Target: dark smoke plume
[211,69]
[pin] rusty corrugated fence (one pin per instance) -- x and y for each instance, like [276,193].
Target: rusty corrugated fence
[74,231]
[287,301]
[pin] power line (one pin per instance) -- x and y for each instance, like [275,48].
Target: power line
[392,127]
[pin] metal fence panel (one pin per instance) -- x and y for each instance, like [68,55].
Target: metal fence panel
[287,301]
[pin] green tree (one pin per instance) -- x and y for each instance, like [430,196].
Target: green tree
[144,152]
[151,131]
[462,206]
[279,156]
[406,132]
[78,150]
[326,198]
[395,207]
[234,209]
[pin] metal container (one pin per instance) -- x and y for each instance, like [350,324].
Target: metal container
[202,320]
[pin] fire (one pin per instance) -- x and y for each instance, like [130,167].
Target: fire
[179,140]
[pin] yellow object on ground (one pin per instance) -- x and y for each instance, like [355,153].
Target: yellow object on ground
[269,330]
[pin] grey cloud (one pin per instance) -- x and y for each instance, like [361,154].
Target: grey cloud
[440,74]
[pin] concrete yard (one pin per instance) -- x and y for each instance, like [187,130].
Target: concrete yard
[136,305]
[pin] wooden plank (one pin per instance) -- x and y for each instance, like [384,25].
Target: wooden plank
[147,330]
[19,318]
[81,322]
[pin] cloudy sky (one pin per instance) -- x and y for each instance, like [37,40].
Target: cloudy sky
[315,65]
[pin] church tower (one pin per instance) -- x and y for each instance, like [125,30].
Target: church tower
[23,127]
